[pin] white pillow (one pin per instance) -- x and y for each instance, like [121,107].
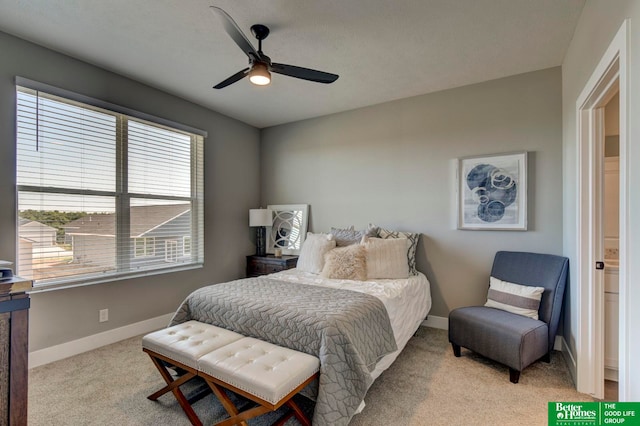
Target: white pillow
[515,298]
[314,248]
[386,258]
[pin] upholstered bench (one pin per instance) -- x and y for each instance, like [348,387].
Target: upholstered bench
[181,346]
[265,373]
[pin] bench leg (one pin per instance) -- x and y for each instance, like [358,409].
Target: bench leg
[298,413]
[239,418]
[174,387]
[226,403]
[294,411]
[218,387]
[282,420]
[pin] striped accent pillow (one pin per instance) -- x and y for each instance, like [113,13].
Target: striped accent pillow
[413,245]
[515,298]
[386,258]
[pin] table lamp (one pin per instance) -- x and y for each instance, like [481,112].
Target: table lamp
[260,218]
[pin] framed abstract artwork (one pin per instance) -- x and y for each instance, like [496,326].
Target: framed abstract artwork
[289,228]
[492,192]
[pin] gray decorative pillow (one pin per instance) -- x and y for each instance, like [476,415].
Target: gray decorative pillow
[346,263]
[348,236]
[413,245]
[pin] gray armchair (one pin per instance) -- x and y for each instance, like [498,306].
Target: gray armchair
[514,340]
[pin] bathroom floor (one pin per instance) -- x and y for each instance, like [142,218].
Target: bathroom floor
[610,390]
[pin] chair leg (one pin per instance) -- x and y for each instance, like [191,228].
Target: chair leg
[514,375]
[456,349]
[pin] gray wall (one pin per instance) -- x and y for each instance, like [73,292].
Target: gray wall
[393,165]
[231,189]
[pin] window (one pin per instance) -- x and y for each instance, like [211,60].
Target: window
[145,247]
[171,251]
[186,246]
[103,192]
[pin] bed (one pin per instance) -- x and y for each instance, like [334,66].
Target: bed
[357,328]
[406,301]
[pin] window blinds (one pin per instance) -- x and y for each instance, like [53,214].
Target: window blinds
[102,194]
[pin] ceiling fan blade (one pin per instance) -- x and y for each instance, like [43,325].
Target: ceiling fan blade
[236,33]
[237,76]
[304,73]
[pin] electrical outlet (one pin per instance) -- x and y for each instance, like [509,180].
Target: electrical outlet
[104,315]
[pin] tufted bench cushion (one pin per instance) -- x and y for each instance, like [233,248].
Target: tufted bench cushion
[187,342]
[268,374]
[181,346]
[265,370]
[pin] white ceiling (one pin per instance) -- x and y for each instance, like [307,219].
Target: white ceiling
[382,49]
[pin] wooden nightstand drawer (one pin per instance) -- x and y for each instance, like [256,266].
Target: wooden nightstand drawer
[268,264]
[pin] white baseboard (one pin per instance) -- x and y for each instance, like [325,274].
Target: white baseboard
[75,347]
[611,374]
[436,322]
[568,357]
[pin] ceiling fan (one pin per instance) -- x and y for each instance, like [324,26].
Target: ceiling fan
[260,65]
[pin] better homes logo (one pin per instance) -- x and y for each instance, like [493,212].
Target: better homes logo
[572,413]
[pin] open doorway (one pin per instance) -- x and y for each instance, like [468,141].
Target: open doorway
[608,81]
[611,243]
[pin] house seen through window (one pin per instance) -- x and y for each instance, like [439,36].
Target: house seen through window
[103,194]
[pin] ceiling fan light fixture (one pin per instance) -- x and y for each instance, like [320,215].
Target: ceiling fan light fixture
[260,65]
[259,74]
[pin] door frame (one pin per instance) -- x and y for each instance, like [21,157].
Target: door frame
[610,76]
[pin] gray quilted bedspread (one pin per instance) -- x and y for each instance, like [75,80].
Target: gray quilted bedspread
[348,331]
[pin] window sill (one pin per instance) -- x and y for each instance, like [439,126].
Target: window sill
[112,278]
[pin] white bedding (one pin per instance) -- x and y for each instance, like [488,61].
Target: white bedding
[407,301]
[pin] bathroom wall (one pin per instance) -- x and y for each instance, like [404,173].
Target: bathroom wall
[612,178]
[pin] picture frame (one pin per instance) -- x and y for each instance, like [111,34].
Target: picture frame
[289,228]
[492,192]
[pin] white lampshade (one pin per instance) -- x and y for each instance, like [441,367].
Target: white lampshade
[260,217]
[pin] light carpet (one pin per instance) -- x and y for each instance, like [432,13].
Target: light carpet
[426,385]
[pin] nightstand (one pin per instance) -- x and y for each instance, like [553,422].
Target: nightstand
[268,264]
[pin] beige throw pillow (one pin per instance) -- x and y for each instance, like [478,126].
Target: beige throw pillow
[314,248]
[387,258]
[346,263]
